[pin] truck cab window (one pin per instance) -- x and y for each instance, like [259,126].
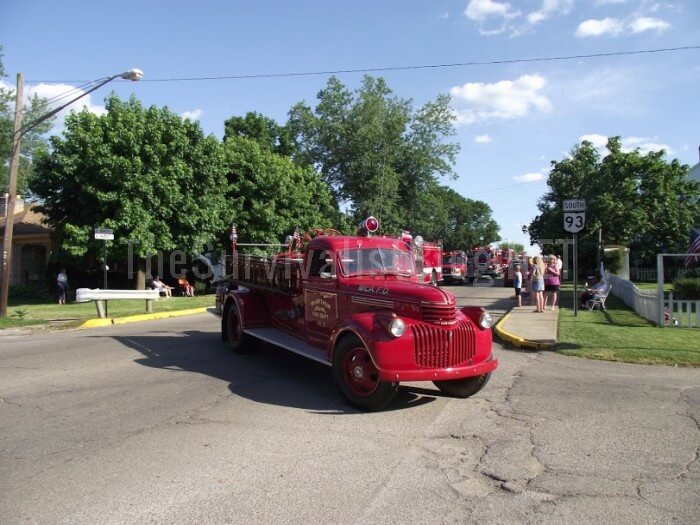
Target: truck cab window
[321,264]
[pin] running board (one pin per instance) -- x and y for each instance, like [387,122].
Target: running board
[289,342]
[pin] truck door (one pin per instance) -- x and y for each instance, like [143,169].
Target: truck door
[321,296]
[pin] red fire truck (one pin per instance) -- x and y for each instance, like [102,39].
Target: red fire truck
[455,266]
[428,257]
[358,305]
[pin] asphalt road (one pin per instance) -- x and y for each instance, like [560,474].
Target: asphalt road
[157,422]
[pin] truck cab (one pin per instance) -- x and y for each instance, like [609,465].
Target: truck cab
[358,305]
[455,267]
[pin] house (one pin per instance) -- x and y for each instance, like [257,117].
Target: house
[31,243]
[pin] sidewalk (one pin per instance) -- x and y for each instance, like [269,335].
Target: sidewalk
[525,328]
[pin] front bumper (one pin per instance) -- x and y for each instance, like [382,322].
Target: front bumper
[440,374]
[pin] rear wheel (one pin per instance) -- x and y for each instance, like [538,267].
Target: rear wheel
[462,388]
[358,378]
[239,342]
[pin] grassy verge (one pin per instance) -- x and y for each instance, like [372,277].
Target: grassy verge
[72,314]
[621,335]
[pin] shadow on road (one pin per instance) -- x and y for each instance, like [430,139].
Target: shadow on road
[269,375]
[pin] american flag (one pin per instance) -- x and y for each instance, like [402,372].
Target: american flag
[693,251]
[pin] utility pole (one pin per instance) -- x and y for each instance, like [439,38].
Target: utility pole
[11,198]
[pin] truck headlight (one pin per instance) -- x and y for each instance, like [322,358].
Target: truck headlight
[456,271]
[397,327]
[485,320]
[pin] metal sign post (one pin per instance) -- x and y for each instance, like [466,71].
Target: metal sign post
[104,234]
[574,222]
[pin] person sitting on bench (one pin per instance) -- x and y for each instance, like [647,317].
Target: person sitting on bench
[159,285]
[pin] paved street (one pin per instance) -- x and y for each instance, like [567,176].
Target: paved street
[157,422]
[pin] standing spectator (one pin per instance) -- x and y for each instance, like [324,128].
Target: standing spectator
[552,281]
[62,286]
[538,283]
[528,283]
[518,284]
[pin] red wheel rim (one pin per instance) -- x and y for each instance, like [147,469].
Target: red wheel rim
[360,373]
[234,327]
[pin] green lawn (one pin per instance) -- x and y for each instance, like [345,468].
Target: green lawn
[32,313]
[621,335]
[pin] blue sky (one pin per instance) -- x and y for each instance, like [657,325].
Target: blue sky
[513,119]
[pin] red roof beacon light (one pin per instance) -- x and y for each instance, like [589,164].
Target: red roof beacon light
[369,225]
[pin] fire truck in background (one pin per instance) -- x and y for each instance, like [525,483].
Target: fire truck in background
[493,263]
[455,266]
[428,257]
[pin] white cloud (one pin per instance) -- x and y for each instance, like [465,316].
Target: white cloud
[192,115]
[529,177]
[606,26]
[444,16]
[483,139]
[59,94]
[645,23]
[549,8]
[629,144]
[481,10]
[507,99]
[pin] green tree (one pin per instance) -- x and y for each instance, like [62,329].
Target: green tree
[376,153]
[270,196]
[442,213]
[31,143]
[639,200]
[263,130]
[515,246]
[146,173]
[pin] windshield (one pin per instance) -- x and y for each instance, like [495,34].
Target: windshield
[454,259]
[377,261]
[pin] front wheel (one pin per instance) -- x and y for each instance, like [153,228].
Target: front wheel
[463,388]
[358,378]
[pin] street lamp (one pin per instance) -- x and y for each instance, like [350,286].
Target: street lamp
[18,132]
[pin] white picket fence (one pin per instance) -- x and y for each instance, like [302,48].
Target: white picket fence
[682,314]
[641,301]
[649,274]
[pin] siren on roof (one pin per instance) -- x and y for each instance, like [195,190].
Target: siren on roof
[368,226]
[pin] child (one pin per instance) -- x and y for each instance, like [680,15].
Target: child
[518,284]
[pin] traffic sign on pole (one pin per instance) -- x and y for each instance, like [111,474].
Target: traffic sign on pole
[574,222]
[104,234]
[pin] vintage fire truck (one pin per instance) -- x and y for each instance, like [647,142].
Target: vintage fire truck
[357,304]
[455,266]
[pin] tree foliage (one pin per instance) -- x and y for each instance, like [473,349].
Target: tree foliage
[146,173]
[442,213]
[264,130]
[375,151]
[269,196]
[637,200]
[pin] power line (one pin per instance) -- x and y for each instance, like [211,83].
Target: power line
[407,68]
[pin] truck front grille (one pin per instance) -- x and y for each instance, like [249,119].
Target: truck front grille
[439,314]
[443,347]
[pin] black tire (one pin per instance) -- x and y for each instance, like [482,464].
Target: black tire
[358,378]
[463,388]
[434,279]
[239,342]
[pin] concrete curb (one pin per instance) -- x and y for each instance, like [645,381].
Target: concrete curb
[96,323]
[518,341]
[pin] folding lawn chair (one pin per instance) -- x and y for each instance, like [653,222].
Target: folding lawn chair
[598,300]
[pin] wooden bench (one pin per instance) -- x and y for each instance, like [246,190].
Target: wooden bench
[83,295]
